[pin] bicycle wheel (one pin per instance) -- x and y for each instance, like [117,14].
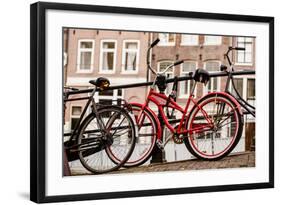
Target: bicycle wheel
[102,151]
[147,135]
[215,126]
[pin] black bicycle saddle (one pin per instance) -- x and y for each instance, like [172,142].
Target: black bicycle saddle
[201,75]
[101,82]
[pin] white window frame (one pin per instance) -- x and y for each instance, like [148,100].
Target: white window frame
[78,70]
[210,43]
[74,116]
[102,50]
[245,79]
[244,88]
[244,63]
[205,88]
[181,94]
[162,43]
[190,43]
[168,72]
[124,50]
[113,98]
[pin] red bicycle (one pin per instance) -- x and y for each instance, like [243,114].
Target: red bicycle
[210,130]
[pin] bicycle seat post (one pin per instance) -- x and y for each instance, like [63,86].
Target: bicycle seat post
[93,99]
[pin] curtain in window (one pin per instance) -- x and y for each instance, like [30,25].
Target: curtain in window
[85,60]
[108,55]
[186,86]
[131,56]
[213,83]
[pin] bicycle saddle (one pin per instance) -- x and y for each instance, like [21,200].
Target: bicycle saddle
[100,82]
[201,75]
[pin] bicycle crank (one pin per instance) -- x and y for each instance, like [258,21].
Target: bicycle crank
[177,138]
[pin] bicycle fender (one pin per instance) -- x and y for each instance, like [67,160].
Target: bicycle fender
[230,97]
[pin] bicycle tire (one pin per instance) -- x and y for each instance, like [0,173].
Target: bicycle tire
[189,139]
[105,152]
[141,152]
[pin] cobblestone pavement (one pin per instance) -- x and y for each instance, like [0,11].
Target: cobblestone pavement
[245,159]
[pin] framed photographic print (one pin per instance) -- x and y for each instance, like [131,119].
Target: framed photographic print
[128,102]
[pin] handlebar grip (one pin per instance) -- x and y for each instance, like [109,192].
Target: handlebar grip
[155,43]
[71,88]
[178,62]
[239,49]
[223,67]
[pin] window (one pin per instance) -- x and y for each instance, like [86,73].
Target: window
[245,57]
[130,57]
[251,91]
[189,40]
[212,40]
[214,83]
[238,83]
[167,39]
[75,115]
[251,96]
[186,86]
[107,56]
[169,74]
[109,97]
[85,58]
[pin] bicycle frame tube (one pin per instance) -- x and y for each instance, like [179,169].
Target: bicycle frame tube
[74,133]
[160,100]
[241,101]
[238,98]
[244,104]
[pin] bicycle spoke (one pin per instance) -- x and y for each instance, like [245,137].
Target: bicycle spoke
[228,115]
[222,125]
[119,125]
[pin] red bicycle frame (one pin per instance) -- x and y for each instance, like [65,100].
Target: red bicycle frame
[161,101]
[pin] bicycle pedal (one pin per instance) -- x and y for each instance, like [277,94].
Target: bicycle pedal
[160,144]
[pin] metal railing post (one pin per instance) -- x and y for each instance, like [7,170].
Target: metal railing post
[66,169]
[158,154]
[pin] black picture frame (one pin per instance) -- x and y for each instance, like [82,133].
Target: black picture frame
[38,100]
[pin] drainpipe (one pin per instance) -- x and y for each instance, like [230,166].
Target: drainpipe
[66,51]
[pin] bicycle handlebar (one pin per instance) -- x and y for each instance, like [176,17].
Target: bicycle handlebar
[178,62]
[71,88]
[154,43]
[230,48]
[236,48]
[239,49]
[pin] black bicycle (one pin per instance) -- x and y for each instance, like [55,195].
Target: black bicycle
[250,109]
[103,140]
